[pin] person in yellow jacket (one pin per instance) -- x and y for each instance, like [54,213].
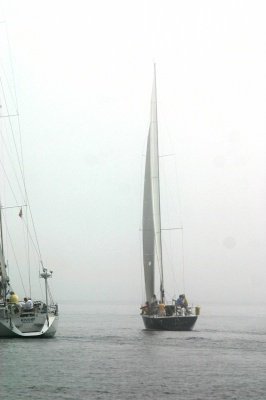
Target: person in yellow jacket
[13,298]
[161,309]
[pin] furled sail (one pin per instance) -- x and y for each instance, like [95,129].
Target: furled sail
[151,223]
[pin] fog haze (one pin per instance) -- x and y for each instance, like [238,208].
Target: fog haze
[83,72]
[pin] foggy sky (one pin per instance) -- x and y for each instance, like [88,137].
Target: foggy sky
[83,72]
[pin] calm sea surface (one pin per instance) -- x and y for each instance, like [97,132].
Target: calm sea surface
[103,352]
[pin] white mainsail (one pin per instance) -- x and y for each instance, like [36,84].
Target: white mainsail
[148,229]
[151,222]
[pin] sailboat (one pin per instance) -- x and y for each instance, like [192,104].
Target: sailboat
[21,313]
[156,314]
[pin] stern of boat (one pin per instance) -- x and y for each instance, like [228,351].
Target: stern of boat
[38,322]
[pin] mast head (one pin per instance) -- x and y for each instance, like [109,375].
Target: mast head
[45,274]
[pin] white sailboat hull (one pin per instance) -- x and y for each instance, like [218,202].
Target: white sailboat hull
[30,325]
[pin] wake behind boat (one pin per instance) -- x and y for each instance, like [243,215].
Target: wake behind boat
[178,315]
[31,312]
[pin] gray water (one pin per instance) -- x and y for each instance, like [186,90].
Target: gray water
[103,352]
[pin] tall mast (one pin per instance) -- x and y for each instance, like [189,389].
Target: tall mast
[158,234]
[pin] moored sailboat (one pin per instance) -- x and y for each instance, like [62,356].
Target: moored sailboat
[156,314]
[25,314]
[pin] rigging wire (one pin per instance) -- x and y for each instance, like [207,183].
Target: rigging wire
[13,169]
[28,225]
[50,294]
[183,260]
[166,210]
[28,254]
[14,253]
[27,228]
[21,169]
[178,199]
[8,181]
[15,101]
[20,158]
[12,93]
